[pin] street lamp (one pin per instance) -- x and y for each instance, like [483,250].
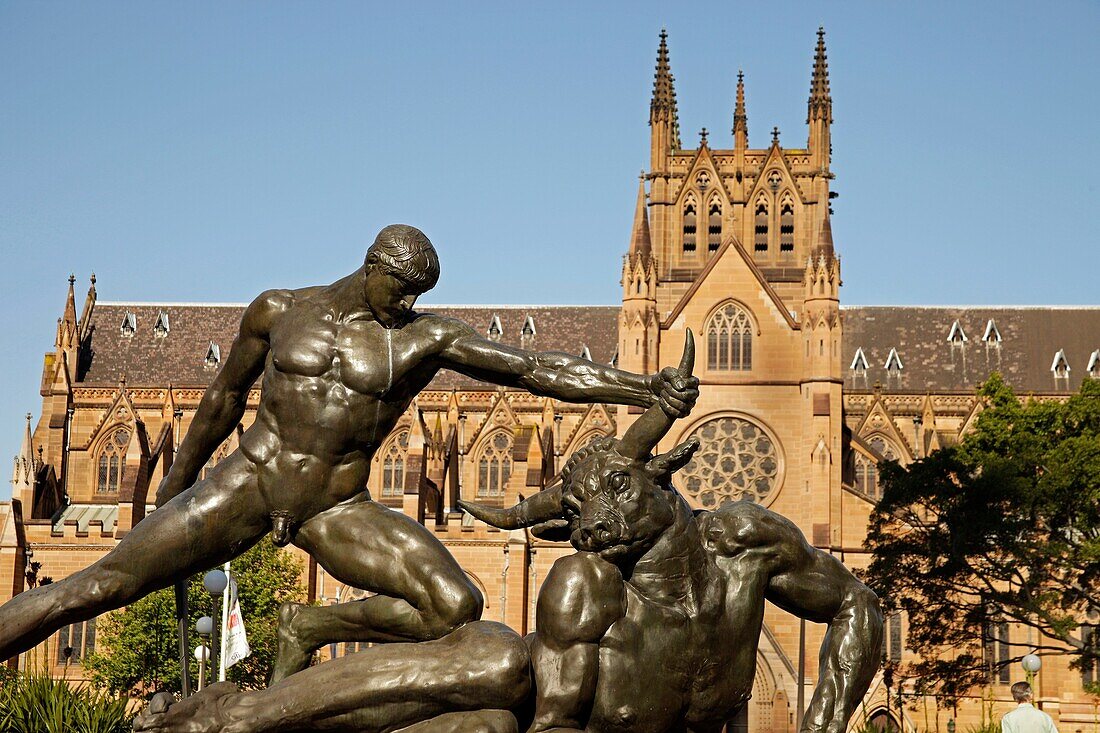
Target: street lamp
[202,653]
[215,583]
[1031,664]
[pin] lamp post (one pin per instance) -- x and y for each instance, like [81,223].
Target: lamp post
[204,627]
[215,583]
[1031,664]
[180,587]
[202,653]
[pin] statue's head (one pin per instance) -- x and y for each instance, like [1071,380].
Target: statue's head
[614,497]
[405,252]
[399,266]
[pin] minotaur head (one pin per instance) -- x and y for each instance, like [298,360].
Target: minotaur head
[614,497]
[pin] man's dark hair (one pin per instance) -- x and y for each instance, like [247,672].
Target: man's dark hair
[1021,692]
[405,252]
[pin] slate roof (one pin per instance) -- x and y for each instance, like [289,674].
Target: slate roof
[147,359]
[1030,338]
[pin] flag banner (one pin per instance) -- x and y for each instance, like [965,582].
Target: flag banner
[236,641]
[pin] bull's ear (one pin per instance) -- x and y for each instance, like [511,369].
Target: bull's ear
[669,463]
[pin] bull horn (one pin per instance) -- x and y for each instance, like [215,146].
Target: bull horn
[542,507]
[647,430]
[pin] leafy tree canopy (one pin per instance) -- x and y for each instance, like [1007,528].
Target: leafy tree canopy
[138,647]
[1003,527]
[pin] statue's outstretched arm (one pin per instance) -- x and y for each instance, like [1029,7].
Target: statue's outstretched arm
[581,598]
[223,404]
[815,586]
[558,375]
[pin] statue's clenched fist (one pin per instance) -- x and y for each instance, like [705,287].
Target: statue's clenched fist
[675,393]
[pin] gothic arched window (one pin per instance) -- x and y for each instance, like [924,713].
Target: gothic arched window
[689,227]
[111,460]
[729,339]
[714,227]
[494,465]
[393,464]
[867,470]
[760,241]
[786,228]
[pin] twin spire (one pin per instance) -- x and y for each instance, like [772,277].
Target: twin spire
[663,105]
[740,118]
[820,103]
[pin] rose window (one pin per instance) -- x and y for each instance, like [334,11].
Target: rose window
[737,459]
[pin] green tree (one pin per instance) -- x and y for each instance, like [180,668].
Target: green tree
[137,648]
[1002,528]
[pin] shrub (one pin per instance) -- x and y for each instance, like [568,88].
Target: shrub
[37,703]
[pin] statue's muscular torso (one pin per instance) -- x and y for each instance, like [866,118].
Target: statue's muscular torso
[332,391]
[340,365]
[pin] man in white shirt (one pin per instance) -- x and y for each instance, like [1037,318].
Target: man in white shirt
[1026,718]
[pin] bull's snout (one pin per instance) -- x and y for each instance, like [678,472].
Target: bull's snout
[597,533]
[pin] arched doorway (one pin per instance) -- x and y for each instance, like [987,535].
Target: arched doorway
[884,721]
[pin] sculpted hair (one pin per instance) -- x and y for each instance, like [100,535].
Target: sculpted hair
[1021,692]
[406,252]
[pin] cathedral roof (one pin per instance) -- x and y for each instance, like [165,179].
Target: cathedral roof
[144,358]
[937,354]
[940,356]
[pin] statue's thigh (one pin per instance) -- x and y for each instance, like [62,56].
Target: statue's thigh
[367,546]
[477,721]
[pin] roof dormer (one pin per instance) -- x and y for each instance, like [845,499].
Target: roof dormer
[495,330]
[893,363]
[957,336]
[161,327]
[1060,365]
[859,362]
[991,335]
[213,356]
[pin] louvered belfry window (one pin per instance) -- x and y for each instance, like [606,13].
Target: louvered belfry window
[786,229]
[690,227]
[760,242]
[714,227]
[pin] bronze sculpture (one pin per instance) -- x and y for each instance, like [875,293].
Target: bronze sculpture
[340,363]
[656,586]
[653,586]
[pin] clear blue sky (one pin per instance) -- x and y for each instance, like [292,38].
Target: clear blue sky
[206,151]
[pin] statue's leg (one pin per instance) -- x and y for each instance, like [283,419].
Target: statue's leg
[422,592]
[477,721]
[483,666]
[209,523]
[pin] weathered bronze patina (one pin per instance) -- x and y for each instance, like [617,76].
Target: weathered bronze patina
[651,627]
[340,363]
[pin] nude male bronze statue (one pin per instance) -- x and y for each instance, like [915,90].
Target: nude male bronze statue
[340,363]
[652,626]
